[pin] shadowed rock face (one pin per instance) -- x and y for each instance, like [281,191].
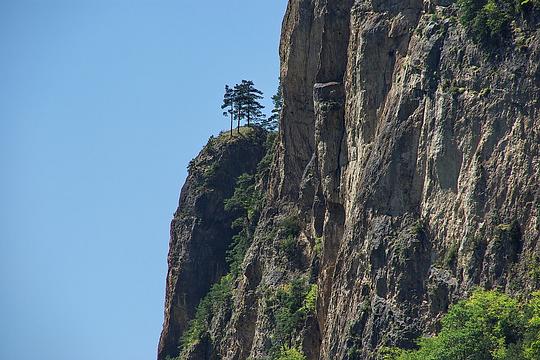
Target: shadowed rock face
[411,157]
[201,230]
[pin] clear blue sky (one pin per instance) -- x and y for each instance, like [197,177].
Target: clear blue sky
[102,105]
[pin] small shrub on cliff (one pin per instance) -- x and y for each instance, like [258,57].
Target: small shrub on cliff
[289,247]
[310,301]
[246,201]
[487,326]
[319,246]
[246,198]
[488,21]
[290,226]
[451,255]
[289,306]
[264,166]
[289,229]
[217,298]
[290,313]
[288,353]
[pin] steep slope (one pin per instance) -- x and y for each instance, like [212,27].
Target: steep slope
[201,230]
[407,173]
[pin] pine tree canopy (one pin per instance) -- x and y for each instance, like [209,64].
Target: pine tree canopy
[241,102]
[228,101]
[246,102]
[273,121]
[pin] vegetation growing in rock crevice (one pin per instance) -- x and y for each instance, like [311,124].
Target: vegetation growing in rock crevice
[219,297]
[247,201]
[264,166]
[489,21]
[289,229]
[487,326]
[287,353]
[289,306]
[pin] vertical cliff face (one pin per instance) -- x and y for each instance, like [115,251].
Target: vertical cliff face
[201,229]
[409,164]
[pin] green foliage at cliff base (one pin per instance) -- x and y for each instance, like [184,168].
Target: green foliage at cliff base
[487,326]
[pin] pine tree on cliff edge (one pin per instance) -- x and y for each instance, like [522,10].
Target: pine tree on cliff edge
[242,103]
[247,99]
[228,103]
[272,123]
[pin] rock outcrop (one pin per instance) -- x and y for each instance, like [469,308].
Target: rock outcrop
[201,230]
[409,161]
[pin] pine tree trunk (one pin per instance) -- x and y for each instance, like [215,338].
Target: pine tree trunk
[238,127]
[231,124]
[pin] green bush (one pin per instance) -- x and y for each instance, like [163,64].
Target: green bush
[488,20]
[319,246]
[531,347]
[246,198]
[310,301]
[290,226]
[487,326]
[290,305]
[290,248]
[288,353]
[247,201]
[451,255]
[264,166]
[289,229]
[219,296]
[290,312]
[237,251]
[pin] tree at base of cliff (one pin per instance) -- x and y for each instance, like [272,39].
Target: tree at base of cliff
[288,353]
[487,326]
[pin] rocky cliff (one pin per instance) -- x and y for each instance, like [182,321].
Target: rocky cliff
[407,173]
[201,229]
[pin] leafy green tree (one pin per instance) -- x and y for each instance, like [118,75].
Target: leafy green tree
[228,104]
[532,336]
[288,353]
[487,326]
